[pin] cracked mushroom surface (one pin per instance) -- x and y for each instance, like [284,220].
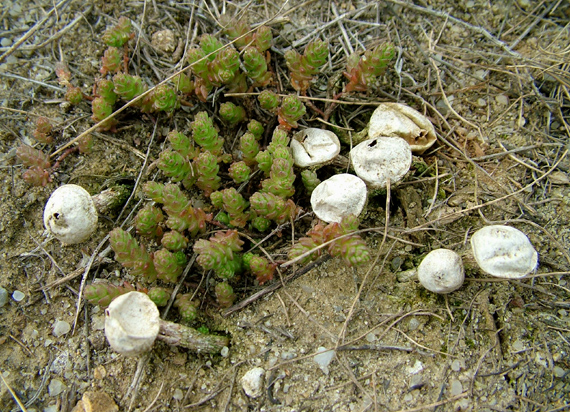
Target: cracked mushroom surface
[397,119]
[314,147]
[339,196]
[504,252]
[382,158]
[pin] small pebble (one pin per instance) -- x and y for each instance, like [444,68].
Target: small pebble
[456,387]
[16,10]
[6,42]
[3,297]
[371,337]
[287,355]
[416,381]
[99,372]
[559,372]
[456,365]
[502,99]
[418,367]
[252,382]
[517,345]
[225,351]
[178,394]
[18,296]
[56,387]
[324,358]
[60,328]
[413,324]
[396,263]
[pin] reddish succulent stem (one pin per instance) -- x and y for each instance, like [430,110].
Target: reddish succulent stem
[309,103]
[63,156]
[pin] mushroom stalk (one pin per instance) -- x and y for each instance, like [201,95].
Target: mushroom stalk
[187,337]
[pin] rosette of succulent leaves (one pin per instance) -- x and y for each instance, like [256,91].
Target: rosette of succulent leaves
[250,189]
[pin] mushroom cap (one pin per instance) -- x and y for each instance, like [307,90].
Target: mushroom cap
[70,214]
[504,252]
[339,196]
[441,271]
[382,158]
[132,323]
[312,147]
[397,119]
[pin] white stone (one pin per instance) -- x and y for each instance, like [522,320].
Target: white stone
[70,214]
[382,158]
[18,296]
[339,196]
[396,119]
[312,147]
[252,382]
[56,387]
[504,252]
[3,297]
[456,388]
[418,367]
[323,358]
[441,271]
[60,328]
[132,322]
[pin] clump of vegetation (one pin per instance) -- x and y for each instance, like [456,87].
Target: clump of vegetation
[244,188]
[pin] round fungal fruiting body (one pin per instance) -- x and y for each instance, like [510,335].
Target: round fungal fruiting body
[70,214]
[314,147]
[382,158]
[132,323]
[339,196]
[504,252]
[441,271]
[396,119]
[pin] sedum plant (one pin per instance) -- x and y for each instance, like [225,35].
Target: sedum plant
[363,71]
[259,267]
[220,253]
[131,255]
[351,249]
[225,294]
[290,111]
[302,68]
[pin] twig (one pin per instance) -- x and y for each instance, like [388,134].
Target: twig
[49,86]
[18,401]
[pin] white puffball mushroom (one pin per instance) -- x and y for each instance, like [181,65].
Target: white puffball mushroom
[252,382]
[441,271]
[70,214]
[396,119]
[132,323]
[339,196]
[382,158]
[313,147]
[504,252]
